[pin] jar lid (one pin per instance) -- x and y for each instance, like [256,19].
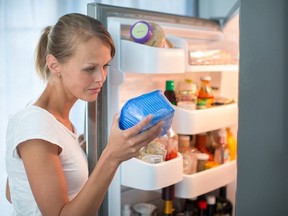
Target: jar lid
[202,156]
[184,137]
[141,32]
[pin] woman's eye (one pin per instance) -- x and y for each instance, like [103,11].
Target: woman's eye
[97,68]
[91,69]
[106,66]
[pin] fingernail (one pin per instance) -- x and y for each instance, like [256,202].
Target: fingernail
[150,116]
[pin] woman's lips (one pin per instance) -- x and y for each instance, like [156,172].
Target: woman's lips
[94,90]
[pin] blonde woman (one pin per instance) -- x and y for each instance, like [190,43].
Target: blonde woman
[47,169]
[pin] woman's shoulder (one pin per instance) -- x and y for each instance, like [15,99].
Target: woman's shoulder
[33,115]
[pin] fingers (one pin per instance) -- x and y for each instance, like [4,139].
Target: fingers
[133,131]
[147,136]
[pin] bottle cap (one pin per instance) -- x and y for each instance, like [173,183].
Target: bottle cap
[141,32]
[211,200]
[202,204]
[170,85]
[205,78]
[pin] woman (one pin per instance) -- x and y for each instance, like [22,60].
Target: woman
[47,169]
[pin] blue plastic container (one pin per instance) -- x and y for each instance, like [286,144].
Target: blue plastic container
[136,109]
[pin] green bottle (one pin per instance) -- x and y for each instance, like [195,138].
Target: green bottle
[169,92]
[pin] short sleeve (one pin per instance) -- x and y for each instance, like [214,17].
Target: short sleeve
[31,124]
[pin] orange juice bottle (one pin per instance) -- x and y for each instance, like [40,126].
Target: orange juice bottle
[232,144]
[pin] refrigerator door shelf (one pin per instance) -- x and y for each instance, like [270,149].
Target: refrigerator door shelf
[203,120]
[206,181]
[138,174]
[139,58]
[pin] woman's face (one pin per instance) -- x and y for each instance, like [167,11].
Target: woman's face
[86,71]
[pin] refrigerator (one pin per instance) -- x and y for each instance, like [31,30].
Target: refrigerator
[137,69]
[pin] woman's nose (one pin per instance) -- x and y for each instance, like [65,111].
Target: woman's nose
[100,75]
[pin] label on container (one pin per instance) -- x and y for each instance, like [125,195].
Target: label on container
[203,103]
[153,159]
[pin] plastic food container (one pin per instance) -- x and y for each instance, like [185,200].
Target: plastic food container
[144,209]
[136,109]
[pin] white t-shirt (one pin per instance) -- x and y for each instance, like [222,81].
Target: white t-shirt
[36,123]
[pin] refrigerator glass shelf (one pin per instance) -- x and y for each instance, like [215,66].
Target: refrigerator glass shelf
[139,58]
[206,181]
[203,120]
[212,68]
[138,174]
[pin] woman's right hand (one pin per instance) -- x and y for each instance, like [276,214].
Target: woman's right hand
[125,144]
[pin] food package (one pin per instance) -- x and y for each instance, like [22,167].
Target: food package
[136,109]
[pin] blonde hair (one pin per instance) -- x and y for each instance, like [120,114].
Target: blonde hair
[62,39]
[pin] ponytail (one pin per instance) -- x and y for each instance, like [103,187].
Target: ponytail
[41,52]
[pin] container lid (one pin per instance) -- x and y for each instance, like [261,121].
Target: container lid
[141,32]
[202,204]
[202,156]
[211,200]
[184,137]
[144,208]
[187,86]
[205,78]
[170,85]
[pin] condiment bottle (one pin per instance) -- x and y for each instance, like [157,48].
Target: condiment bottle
[211,205]
[201,145]
[187,94]
[232,144]
[189,154]
[169,92]
[202,206]
[168,193]
[222,153]
[205,98]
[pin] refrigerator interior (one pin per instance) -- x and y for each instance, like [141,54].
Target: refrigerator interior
[138,69]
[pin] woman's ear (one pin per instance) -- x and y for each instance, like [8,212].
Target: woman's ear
[52,64]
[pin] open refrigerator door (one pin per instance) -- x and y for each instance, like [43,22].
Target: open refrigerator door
[198,48]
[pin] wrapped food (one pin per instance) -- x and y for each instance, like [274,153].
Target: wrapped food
[136,109]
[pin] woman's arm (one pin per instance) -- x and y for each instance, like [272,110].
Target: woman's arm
[8,196]
[47,181]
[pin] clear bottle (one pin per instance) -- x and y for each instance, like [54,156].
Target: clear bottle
[211,205]
[170,141]
[201,145]
[205,97]
[222,153]
[170,92]
[187,94]
[189,154]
